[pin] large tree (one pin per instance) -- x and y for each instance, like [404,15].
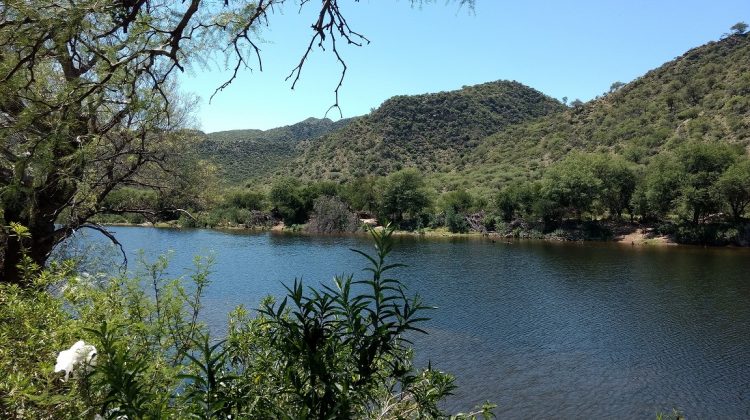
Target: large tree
[88,101]
[404,197]
[734,187]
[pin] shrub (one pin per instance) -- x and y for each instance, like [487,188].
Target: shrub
[330,215]
[456,222]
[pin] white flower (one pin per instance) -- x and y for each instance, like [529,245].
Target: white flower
[99,417]
[75,355]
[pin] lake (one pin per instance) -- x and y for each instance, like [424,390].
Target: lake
[542,329]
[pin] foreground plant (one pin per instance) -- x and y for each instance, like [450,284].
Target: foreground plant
[343,345]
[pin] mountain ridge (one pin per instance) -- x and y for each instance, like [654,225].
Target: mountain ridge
[702,95]
[485,136]
[426,131]
[247,154]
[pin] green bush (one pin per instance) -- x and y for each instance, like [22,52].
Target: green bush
[456,222]
[708,234]
[330,215]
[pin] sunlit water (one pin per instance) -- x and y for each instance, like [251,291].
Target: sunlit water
[541,329]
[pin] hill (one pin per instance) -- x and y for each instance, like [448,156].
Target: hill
[486,136]
[701,95]
[432,132]
[245,154]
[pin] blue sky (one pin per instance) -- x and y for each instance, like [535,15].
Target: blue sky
[562,48]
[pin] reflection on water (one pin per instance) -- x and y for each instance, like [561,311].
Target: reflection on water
[541,329]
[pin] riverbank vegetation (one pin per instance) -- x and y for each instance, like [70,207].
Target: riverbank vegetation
[666,153]
[698,194]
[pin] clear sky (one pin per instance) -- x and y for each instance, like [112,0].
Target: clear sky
[573,48]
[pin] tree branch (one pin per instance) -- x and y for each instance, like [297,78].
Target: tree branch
[101,229]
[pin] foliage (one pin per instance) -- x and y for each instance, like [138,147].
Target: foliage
[286,198]
[460,201]
[734,187]
[572,185]
[456,222]
[362,193]
[404,197]
[33,328]
[658,192]
[516,200]
[702,165]
[330,215]
[739,28]
[339,341]
[246,199]
[455,205]
[86,106]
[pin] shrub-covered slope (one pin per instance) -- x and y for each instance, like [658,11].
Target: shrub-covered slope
[430,131]
[244,154]
[702,95]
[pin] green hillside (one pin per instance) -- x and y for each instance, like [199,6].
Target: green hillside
[484,137]
[702,95]
[668,150]
[431,132]
[245,154]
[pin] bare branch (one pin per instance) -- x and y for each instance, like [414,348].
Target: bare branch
[330,22]
[101,229]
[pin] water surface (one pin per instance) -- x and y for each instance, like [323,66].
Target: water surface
[541,329]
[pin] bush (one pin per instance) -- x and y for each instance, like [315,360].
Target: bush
[704,234]
[456,222]
[330,215]
[246,199]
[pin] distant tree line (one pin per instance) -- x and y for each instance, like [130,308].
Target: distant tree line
[696,184]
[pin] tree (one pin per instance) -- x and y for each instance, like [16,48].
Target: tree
[459,201]
[734,187]
[617,180]
[739,28]
[455,205]
[584,182]
[661,186]
[361,194]
[702,165]
[404,196]
[88,101]
[330,215]
[87,105]
[286,198]
[246,199]
[572,185]
[515,200]
[615,86]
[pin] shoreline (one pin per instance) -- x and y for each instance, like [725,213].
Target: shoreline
[639,237]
